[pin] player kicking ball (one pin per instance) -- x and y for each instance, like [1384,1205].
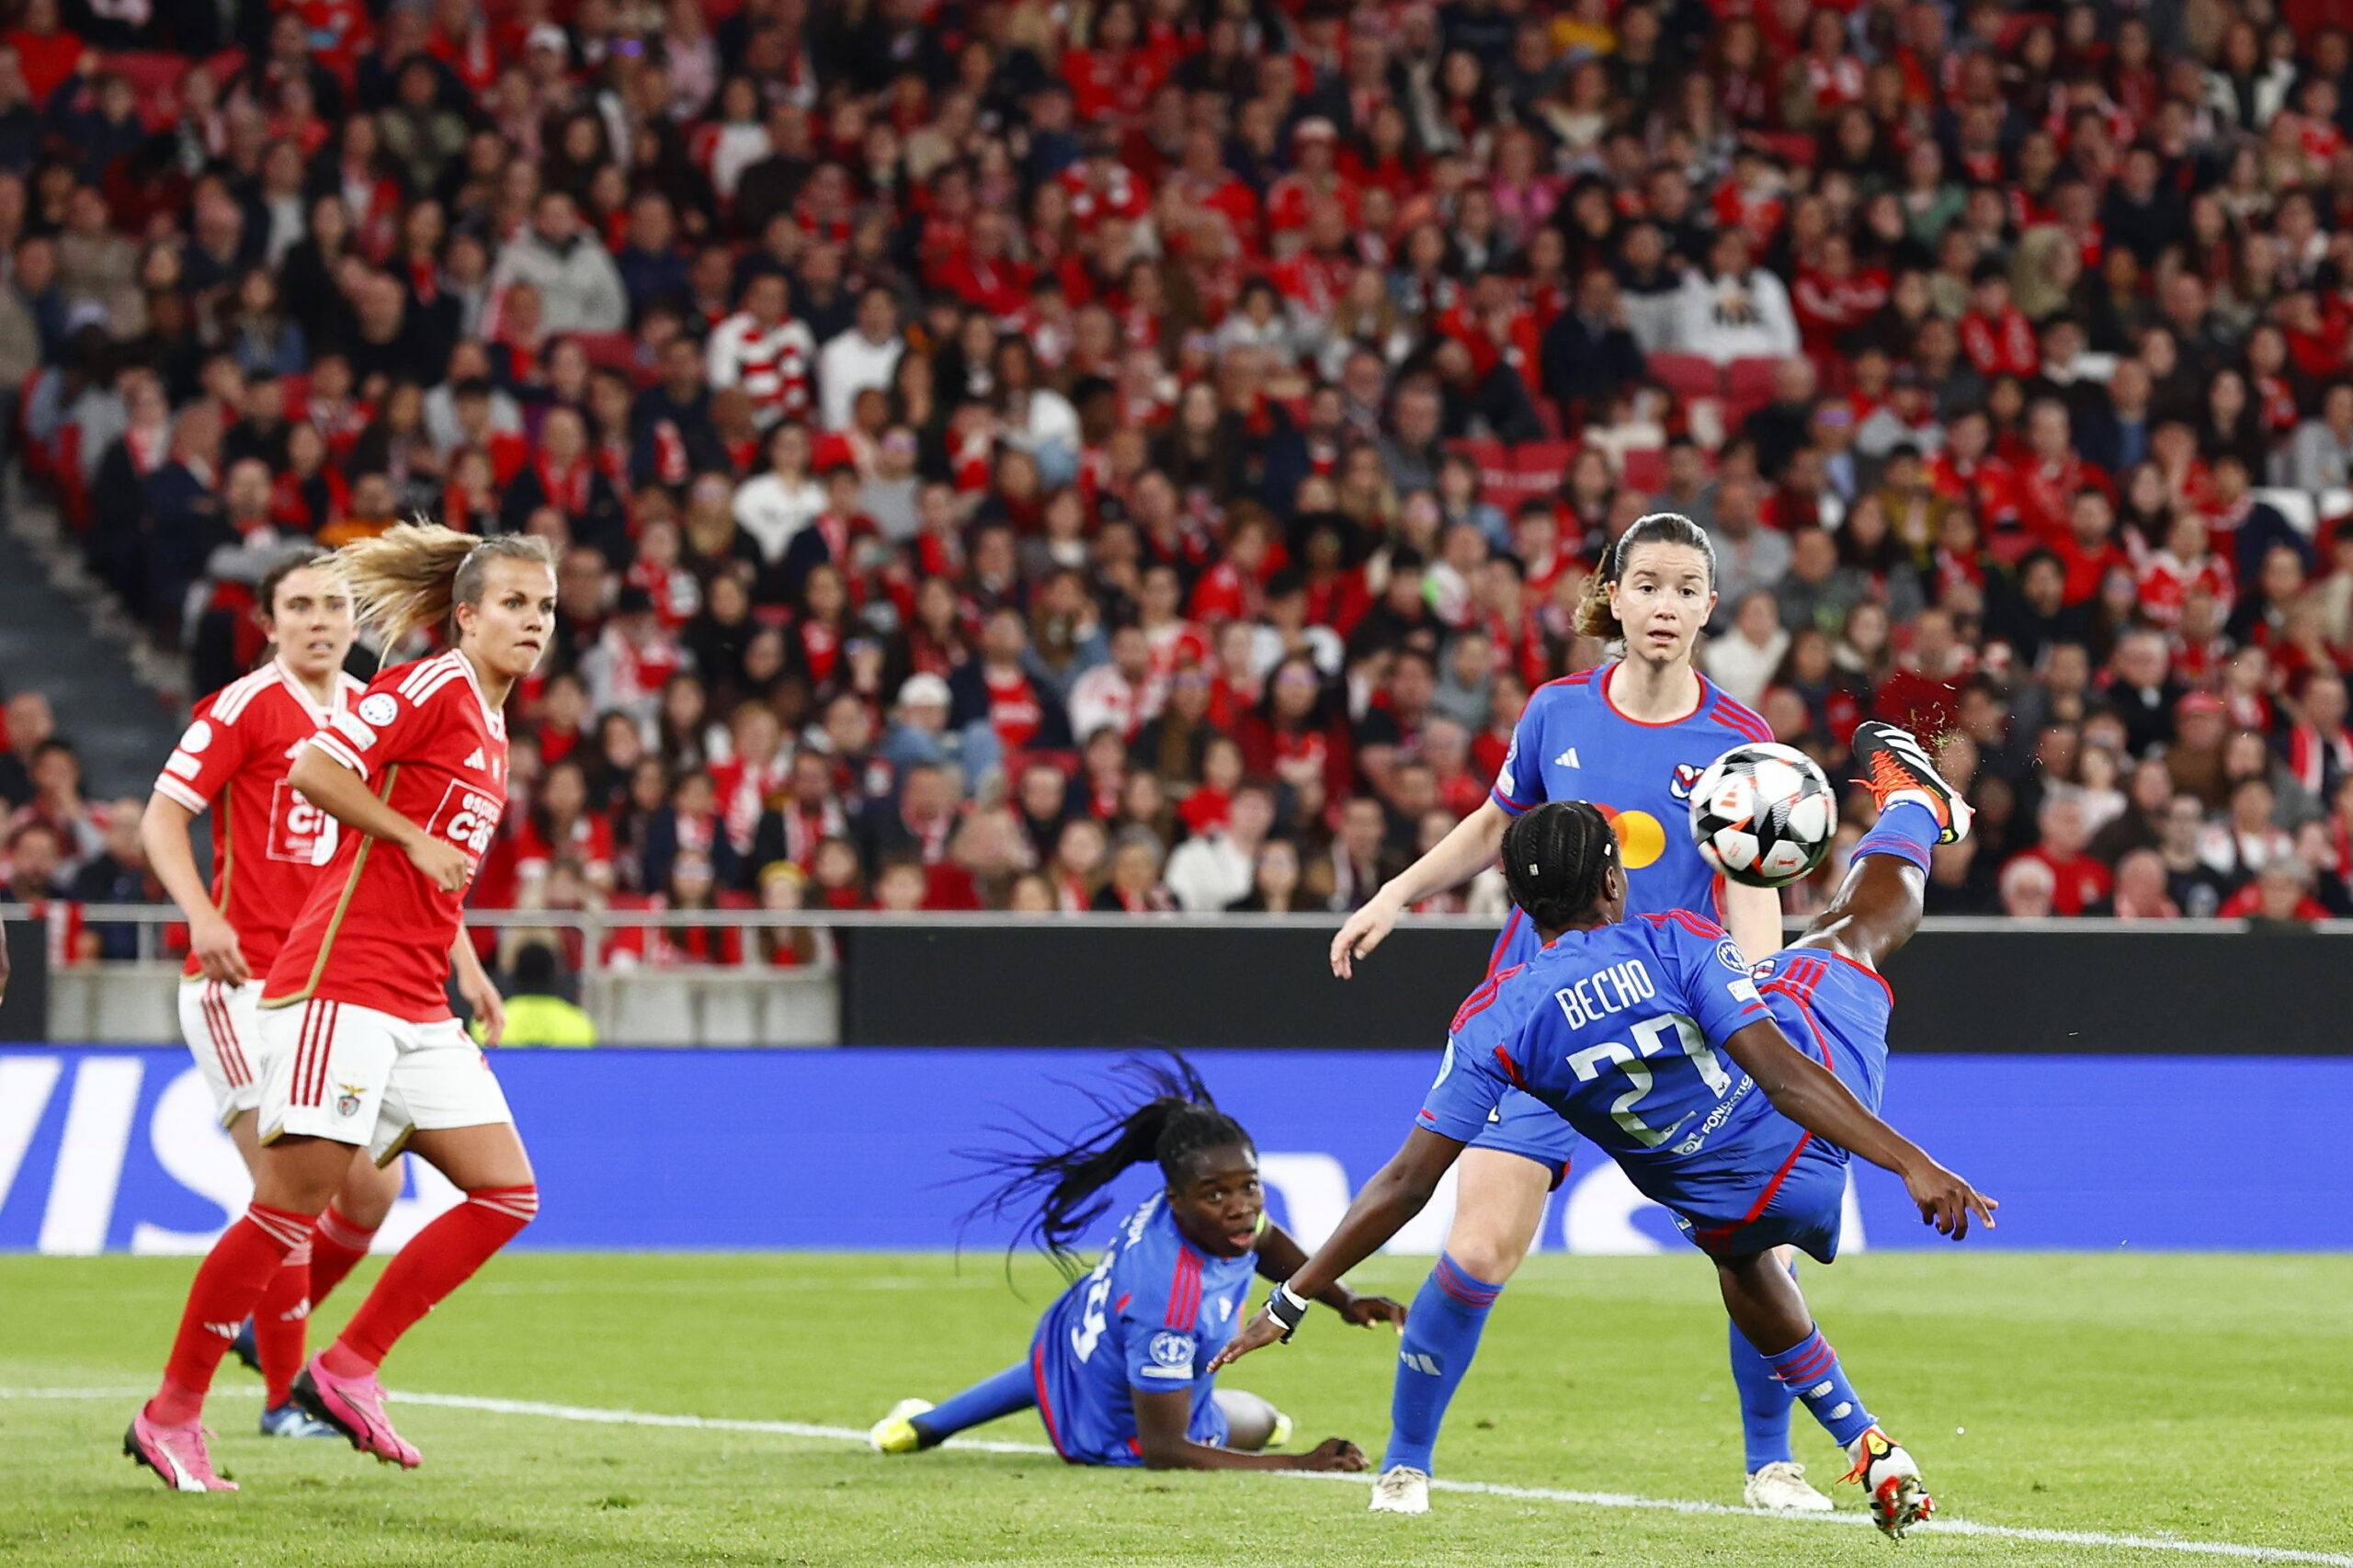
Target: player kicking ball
[1624,1027]
[1117,1369]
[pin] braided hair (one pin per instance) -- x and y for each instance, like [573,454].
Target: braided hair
[1556,859]
[1064,1179]
[1594,618]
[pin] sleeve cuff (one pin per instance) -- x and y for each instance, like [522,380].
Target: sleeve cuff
[1506,802]
[340,752]
[173,790]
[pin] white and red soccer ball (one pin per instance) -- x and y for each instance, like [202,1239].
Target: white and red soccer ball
[1763,814]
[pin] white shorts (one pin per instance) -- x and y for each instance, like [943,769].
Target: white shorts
[360,1077]
[224,1031]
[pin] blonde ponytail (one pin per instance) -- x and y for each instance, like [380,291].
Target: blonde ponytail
[414,575]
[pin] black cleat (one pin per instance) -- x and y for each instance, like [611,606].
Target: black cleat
[1900,770]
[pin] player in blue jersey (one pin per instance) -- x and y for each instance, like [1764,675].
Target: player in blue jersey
[1654,1038]
[1631,737]
[1117,1369]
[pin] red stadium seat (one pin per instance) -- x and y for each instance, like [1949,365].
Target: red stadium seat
[154,77]
[1544,464]
[1686,375]
[1750,382]
[608,350]
[1646,469]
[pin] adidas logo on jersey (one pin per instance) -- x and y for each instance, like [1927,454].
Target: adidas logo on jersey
[477,762]
[1567,759]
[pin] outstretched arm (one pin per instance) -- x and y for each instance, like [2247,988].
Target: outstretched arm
[1811,1094]
[1462,855]
[1281,1256]
[1164,1416]
[1396,1193]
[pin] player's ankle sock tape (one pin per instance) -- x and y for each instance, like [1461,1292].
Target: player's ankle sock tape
[1907,830]
[229,1284]
[1813,1372]
[1765,1402]
[279,1321]
[1442,1337]
[440,1257]
[1011,1391]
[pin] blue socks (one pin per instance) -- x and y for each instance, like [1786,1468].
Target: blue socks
[1765,1404]
[1907,830]
[1008,1392]
[1812,1372]
[1441,1336]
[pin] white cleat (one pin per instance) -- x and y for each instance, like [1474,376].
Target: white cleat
[1891,1482]
[1782,1487]
[895,1433]
[1402,1489]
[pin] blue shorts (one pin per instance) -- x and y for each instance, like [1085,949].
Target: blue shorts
[1522,1124]
[1836,1011]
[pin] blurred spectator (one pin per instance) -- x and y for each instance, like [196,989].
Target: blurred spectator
[923,415]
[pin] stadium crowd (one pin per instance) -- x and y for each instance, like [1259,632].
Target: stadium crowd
[1141,455]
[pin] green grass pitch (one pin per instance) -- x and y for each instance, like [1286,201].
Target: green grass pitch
[2203,1398]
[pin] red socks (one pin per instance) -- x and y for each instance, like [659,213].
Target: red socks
[229,1284]
[336,1247]
[278,1320]
[441,1257]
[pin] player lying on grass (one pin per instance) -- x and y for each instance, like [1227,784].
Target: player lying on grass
[1117,1368]
[1622,1026]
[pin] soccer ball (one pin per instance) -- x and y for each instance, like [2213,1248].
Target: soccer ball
[1763,814]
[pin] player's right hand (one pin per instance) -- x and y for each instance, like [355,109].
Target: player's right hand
[444,865]
[212,941]
[1946,1202]
[1362,932]
[1332,1453]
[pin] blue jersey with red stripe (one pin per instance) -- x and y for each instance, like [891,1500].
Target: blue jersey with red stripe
[1572,744]
[1150,1315]
[1620,1029]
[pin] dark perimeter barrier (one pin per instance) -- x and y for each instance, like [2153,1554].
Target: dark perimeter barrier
[1962,988]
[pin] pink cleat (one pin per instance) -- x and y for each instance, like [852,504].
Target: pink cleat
[175,1453]
[355,1407]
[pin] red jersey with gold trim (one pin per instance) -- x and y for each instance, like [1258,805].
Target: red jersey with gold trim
[375,933]
[268,841]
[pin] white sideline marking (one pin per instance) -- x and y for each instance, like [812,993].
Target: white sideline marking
[597,1416]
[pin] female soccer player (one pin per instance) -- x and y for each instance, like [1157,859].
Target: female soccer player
[1631,737]
[361,1047]
[269,843]
[1616,1026]
[1116,1367]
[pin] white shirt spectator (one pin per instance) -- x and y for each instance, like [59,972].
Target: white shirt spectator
[1742,667]
[850,363]
[580,289]
[772,510]
[1207,872]
[1743,316]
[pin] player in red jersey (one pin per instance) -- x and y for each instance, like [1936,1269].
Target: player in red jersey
[267,845]
[360,1046]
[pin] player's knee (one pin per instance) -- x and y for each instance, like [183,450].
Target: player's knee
[1249,1420]
[368,1192]
[520,1205]
[1488,1253]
